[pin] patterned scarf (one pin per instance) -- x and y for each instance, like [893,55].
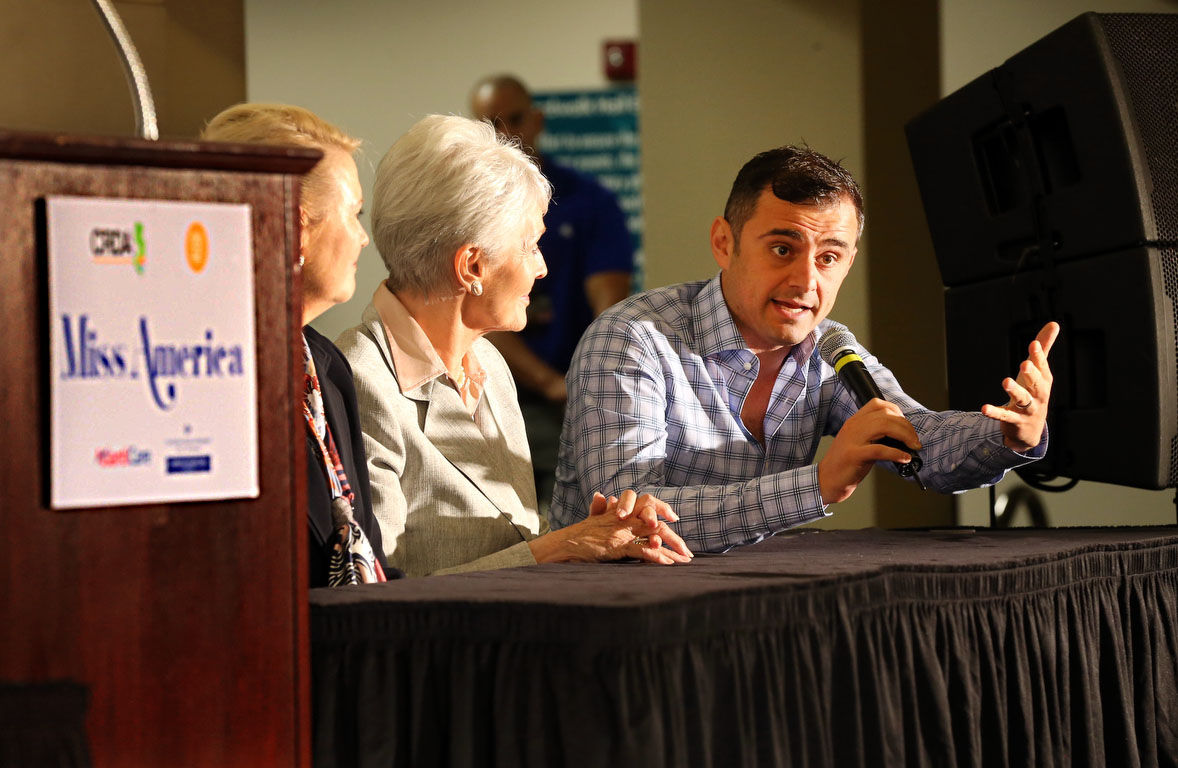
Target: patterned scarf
[350,556]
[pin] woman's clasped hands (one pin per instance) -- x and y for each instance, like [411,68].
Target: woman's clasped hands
[619,527]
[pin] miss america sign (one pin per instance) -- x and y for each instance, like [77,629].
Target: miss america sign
[153,386]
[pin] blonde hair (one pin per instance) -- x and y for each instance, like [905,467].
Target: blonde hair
[257,123]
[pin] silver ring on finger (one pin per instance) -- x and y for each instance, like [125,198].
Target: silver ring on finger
[643,540]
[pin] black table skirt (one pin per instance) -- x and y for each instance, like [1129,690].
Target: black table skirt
[856,648]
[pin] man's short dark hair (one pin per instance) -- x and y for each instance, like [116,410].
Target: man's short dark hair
[796,175]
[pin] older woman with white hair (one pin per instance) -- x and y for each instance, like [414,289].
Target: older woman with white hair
[457,213]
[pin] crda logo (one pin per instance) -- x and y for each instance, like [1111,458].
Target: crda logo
[119,246]
[114,243]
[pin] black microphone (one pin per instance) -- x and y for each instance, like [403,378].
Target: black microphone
[839,349]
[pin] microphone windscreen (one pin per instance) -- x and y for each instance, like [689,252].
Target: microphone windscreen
[836,337]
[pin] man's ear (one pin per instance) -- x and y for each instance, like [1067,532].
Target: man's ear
[470,264]
[723,243]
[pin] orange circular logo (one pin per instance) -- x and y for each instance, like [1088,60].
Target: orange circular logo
[196,246]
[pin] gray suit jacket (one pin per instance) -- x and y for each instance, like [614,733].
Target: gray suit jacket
[448,498]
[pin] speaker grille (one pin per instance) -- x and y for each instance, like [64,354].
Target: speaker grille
[1145,46]
[1173,461]
[1169,260]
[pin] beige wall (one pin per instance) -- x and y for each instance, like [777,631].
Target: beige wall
[375,67]
[977,37]
[901,78]
[62,72]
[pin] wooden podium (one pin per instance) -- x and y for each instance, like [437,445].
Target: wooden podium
[187,623]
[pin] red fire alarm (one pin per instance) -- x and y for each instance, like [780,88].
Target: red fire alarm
[621,60]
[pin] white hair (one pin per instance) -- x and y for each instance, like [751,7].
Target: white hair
[449,182]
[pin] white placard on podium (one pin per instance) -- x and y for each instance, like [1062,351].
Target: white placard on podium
[153,379]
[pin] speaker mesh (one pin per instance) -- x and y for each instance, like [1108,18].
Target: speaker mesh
[1173,453]
[1145,47]
[1169,259]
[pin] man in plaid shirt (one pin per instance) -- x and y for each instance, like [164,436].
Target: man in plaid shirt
[712,396]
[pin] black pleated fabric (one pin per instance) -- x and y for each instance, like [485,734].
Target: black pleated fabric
[842,648]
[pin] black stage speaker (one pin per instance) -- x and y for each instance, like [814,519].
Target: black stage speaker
[1051,189]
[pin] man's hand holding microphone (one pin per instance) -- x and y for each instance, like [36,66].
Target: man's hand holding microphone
[879,432]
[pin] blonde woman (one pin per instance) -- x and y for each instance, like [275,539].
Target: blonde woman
[345,541]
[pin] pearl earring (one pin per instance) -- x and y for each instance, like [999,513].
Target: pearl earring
[476,287]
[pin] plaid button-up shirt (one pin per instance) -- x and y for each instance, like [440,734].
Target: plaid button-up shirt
[655,393]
